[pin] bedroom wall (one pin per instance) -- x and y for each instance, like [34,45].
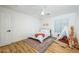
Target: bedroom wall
[21,26]
[65,19]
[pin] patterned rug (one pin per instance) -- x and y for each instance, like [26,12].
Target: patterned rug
[40,47]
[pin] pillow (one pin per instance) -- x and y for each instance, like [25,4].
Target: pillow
[40,34]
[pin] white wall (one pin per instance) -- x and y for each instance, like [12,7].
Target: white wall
[65,19]
[21,26]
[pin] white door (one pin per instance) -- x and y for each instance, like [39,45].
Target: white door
[5,28]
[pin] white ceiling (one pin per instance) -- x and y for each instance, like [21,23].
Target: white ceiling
[35,10]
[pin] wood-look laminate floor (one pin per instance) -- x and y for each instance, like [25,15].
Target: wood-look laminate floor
[23,47]
[56,48]
[18,47]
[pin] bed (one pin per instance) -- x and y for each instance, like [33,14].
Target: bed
[41,35]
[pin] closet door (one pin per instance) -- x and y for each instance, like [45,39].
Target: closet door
[5,28]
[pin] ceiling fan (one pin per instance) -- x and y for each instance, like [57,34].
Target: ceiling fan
[45,11]
[42,12]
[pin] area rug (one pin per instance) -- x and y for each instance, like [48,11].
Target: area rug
[40,47]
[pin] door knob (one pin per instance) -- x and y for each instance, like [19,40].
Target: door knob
[8,30]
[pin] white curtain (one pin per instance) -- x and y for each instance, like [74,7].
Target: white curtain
[60,24]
